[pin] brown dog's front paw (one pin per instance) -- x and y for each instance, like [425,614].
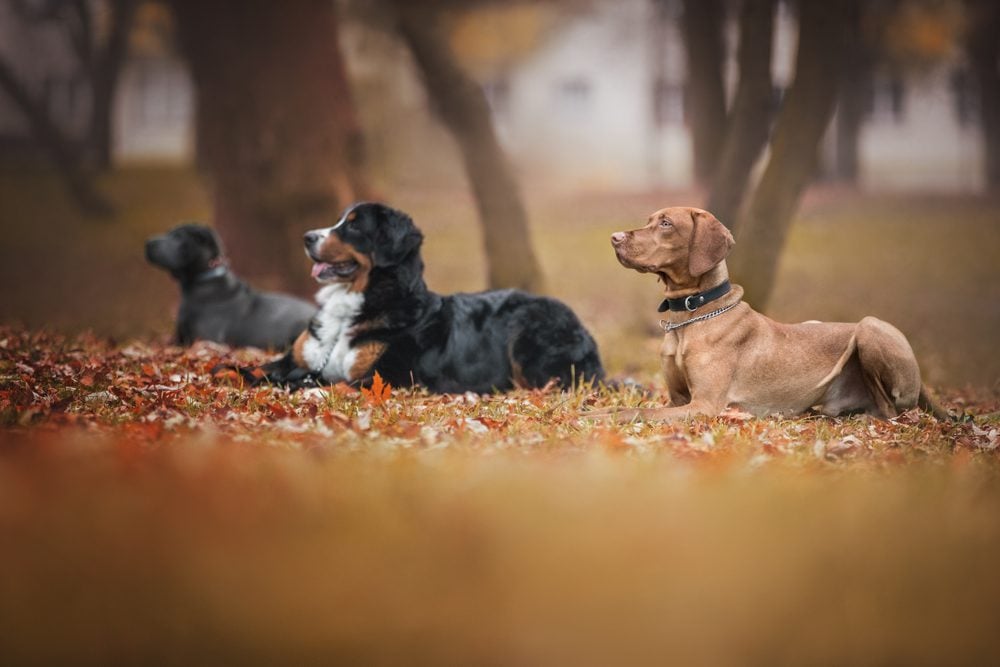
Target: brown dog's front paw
[616,415]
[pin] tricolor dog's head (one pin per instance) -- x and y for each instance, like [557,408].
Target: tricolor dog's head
[368,236]
[679,244]
[186,251]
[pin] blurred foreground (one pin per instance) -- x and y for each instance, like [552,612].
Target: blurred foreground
[207,553]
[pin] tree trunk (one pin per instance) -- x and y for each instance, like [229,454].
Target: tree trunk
[276,127]
[105,72]
[851,107]
[984,51]
[824,29]
[705,95]
[63,153]
[460,104]
[750,117]
[850,114]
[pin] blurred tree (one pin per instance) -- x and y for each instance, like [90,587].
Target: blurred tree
[983,45]
[62,151]
[750,117]
[461,105]
[705,95]
[276,127]
[104,65]
[826,32]
[100,52]
[853,102]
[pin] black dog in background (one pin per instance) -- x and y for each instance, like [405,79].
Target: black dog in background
[377,315]
[215,304]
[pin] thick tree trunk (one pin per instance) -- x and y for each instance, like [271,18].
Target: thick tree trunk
[705,95]
[104,77]
[984,53]
[276,127]
[824,29]
[750,117]
[61,151]
[460,104]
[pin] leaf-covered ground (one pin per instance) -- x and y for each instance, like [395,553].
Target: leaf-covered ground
[154,396]
[154,513]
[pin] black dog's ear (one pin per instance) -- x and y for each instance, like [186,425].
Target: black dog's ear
[396,238]
[210,239]
[204,237]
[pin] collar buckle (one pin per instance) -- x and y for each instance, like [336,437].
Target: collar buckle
[691,307]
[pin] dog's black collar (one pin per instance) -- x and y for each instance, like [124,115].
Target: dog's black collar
[693,302]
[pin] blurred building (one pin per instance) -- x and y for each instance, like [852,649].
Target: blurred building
[584,95]
[600,102]
[154,110]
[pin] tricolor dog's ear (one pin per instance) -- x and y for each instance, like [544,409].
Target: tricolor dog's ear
[396,238]
[710,242]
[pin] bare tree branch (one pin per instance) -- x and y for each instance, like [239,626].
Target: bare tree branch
[64,155]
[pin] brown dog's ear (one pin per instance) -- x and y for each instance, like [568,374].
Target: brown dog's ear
[710,242]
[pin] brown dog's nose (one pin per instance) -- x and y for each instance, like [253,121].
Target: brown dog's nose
[618,238]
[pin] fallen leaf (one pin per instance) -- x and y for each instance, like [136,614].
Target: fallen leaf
[380,391]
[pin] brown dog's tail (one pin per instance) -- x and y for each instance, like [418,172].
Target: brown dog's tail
[926,402]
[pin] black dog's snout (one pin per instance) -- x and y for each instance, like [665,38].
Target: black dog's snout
[311,238]
[151,245]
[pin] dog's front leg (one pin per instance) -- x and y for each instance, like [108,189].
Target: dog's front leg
[708,378]
[183,336]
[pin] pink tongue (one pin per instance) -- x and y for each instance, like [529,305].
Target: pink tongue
[318,268]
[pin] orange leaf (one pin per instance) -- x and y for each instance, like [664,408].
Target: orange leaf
[379,392]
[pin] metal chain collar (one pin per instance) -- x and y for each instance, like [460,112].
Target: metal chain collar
[668,327]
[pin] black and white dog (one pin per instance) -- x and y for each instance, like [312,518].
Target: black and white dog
[377,315]
[215,304]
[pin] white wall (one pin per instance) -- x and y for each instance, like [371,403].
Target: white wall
[926,149]
[154,112]
[580,110]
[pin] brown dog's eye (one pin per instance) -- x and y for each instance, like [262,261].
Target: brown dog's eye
[665,222]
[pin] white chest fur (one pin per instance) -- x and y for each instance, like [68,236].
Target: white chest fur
[329,352]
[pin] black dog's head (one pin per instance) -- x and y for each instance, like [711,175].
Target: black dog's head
[369,236]
[186,251]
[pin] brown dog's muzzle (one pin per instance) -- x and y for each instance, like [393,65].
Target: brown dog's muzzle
[623,243]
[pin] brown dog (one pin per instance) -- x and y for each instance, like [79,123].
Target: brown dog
[718,352]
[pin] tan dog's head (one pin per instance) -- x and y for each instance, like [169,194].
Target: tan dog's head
[679,244]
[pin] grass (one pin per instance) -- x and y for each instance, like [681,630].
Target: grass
[151,513]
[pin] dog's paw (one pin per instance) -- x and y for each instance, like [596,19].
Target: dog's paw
[614,415]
